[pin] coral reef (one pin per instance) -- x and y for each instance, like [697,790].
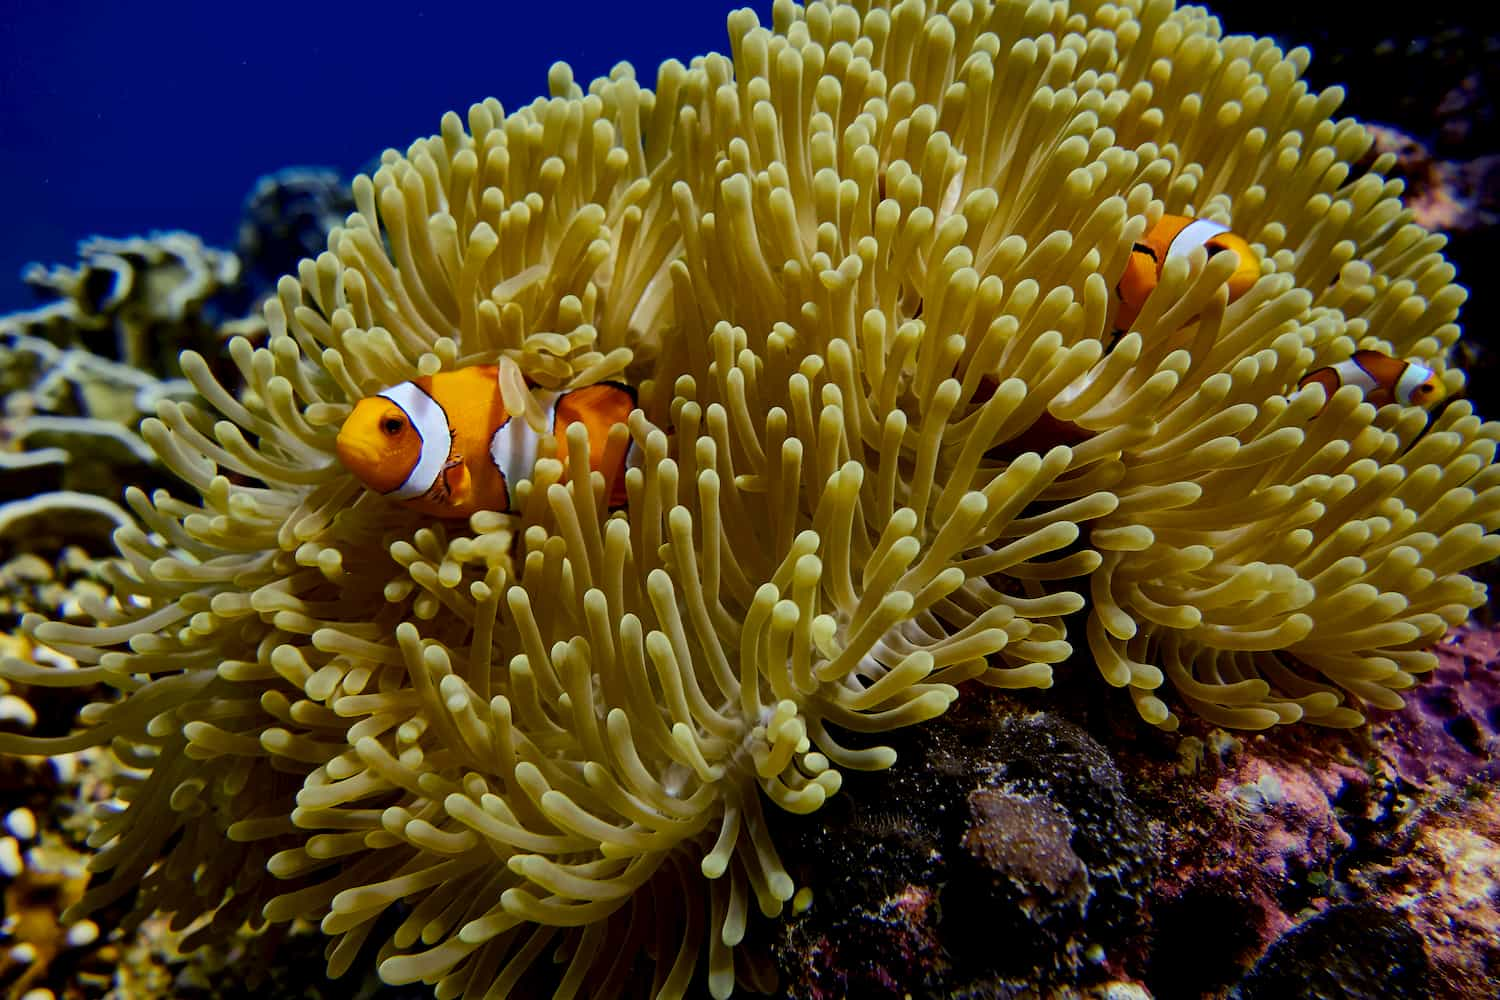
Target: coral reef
[80,373]
[69,419]
[1448,735]
[48,878]
[996,827]
[288,217]
[1260,835]
[1444,195]
[860,270]
[1441,873]
[1255,831]
[137,300]
[1265,833]
[1359,951]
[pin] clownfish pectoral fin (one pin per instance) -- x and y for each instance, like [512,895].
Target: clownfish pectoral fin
[452,482]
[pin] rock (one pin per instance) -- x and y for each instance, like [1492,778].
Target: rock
[1357,951]
[1449,731]
[1001,856]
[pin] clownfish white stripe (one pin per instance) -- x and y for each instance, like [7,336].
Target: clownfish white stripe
[1194,234]
[1411,378]
[1351,372]
[431,424]
[513,445]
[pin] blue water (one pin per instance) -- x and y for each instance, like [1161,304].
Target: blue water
[117,118]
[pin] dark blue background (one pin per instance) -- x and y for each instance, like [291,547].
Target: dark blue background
[117,118]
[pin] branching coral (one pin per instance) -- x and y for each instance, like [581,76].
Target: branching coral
[861,272]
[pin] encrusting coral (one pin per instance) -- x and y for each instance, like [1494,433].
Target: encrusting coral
[859,270]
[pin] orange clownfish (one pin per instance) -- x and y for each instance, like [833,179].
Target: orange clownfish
[1177,236]
[1382,378]
[445,445]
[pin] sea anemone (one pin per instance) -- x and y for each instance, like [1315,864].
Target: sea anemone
[860,271]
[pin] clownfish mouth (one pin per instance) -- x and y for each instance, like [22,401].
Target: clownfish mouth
[356,454]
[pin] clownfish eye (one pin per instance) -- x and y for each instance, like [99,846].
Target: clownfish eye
[392,426]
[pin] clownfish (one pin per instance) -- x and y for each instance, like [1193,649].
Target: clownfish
[1177,236]
[1382,378]
[446,446]
[1046,431]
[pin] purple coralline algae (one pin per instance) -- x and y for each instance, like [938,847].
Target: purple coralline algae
[1449,731]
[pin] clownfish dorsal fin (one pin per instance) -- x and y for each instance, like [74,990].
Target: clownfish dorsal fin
[1383,368]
